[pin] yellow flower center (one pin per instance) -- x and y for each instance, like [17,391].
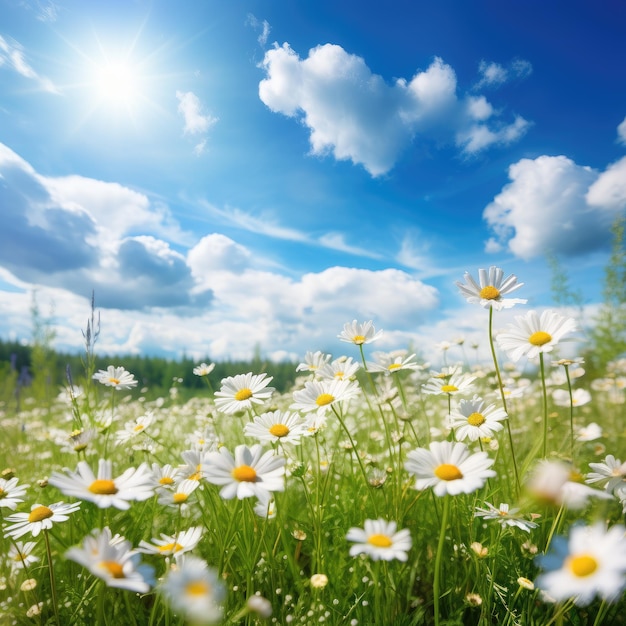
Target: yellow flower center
[243,394]
[476,419]
[40,513]
[114,381]
[114,568]
[166,480]
[394,366]
[171,547]
[582,565]
[138,427]
[324,399]
[2,493]
[103,487]
[540,338]
[379,541]
[179,498]
[279,430]
[244,474]
[79,447]
[358,339]
[197,588]
[489,293]
[446,471]
[449,388]
[339,375]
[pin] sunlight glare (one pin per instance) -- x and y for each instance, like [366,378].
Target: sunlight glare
[117,83]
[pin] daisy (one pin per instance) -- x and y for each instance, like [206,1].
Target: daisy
[116,377]
[359,334]
[389,363]
[113,560]
[449,381]
[505,516]
[11,493]
[192,470]
[342,368]
[194,590]
[590,562]
[449,468]
[180,494]
[20,554]
[40,518]
[591,432]
[277,426]
[490,288]
[203,369]
[321,395]
[379,540]
[164,477]
[472,420]
[239,392]
[104,490]
[313,361]
[266,508]
[79,439]
[579,397]
[535,334]
[134,428]
[248,473]
[174,545]
[611,474]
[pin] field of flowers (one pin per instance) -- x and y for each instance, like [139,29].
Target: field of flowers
[377,491]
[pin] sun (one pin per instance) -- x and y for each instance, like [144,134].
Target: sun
[117,83]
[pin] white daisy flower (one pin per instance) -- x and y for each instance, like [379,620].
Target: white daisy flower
[449,468]
[266,508]
[116,377]
[173,545]
[389,363]
[473,420]
[591,432]
[239,392]
[203,369]
[359,334]
[248,473]
[313,361]
[277,426]
[505,516]
[113,560]
[342,368]
[134,428]
[20,554]
[579,397]
[490,288]
[320,395]
[450,381]
[192,469]
[380,540]
[534,334]
[179,495]
[164,477]
[11,493]
[590,562]
[610,474]
[194,590]
[41,517]
[104,490]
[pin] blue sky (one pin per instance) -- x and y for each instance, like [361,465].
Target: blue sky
[248,174]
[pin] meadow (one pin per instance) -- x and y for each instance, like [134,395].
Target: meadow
[377,490]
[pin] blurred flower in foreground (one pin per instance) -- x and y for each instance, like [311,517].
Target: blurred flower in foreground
[116,377]
[473,420]
[490,288]
[359,334]
[534,334]
[104,490]
[590,562]
[40,518]
[239,392]
[193,589]
[449,468]
[113,560]
[504,516]
[248,473]
[11,493]
[380,540]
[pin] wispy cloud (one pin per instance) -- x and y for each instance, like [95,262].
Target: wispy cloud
[196,121]
[12,55]
[259,25]
[494,75]
[355,115]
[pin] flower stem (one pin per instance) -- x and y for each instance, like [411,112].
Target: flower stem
[545,405]
[439,558]
[53,588]
[571,412]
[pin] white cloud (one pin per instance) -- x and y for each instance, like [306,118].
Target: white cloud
[259,25]
[494,74]
[553,205]
[12,55]
[190,107]
[621,132]
[355,115]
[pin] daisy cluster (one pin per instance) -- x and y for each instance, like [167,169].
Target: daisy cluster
[377,489]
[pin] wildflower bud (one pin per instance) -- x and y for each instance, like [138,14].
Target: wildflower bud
[319,581]
[8,473]
[479,549]
[473,599]
[525,583]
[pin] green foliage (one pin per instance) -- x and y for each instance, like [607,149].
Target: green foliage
[43,363]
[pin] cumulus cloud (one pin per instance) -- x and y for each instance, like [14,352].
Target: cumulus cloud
[355,115]
[494,74]
[553,205]
[75,233]
[12,56]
